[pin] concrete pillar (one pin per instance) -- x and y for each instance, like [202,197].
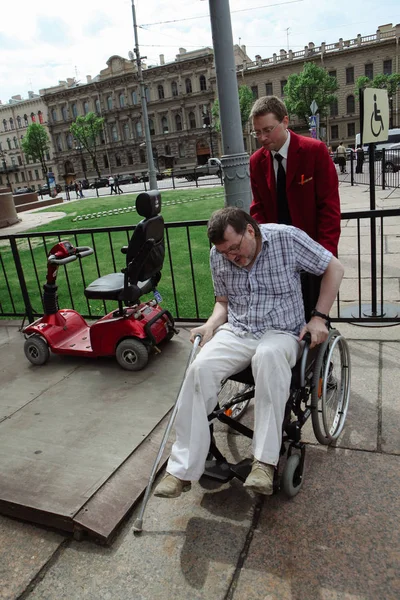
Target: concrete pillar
[235,161]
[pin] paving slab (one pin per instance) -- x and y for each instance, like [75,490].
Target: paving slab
[338,539]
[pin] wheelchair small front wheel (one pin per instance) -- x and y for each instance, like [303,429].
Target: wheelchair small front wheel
[235,391]
[330,388]
[292,476]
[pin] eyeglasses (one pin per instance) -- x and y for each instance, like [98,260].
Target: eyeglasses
[235,249]
[266,131]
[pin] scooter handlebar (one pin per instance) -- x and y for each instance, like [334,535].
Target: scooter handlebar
[80,252]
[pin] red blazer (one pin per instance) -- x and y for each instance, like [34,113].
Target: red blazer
[312,190]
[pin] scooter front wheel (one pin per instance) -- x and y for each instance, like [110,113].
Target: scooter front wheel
[36,350]
[132,355]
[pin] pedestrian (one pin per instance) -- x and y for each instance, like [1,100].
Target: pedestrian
[80,189]
[117,188]
[66,189]
[293,178]
[76,188]
[341,157]
[258,318]
[360,159]
[111,184]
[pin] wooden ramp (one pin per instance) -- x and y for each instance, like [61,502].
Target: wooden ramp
[78,438]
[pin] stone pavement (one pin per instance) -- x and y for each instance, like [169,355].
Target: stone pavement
[338,539]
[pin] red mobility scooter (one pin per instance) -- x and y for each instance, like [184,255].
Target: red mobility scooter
[131,331]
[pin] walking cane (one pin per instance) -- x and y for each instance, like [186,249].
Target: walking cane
[137,526]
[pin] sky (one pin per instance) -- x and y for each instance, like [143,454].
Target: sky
[47,41]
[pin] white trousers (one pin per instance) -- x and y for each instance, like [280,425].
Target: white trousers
[272,357]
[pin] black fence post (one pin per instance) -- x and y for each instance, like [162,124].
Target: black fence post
[383,170]
[21,279]
[173,179]
[352,167]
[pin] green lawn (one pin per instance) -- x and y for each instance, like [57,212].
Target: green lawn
[178,206]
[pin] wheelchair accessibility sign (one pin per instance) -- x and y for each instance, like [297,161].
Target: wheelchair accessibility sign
[375,116]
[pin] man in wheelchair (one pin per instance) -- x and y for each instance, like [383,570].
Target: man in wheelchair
[258,318]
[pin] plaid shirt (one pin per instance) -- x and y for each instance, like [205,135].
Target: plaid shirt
[269,295]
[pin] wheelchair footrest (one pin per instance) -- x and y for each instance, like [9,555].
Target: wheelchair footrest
[219,470]
[242,469]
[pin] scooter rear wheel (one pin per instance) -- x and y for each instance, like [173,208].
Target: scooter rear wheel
[36,350]
[132,355]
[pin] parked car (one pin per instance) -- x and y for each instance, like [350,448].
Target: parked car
[125,179]
[145,177]
[98,183]
[392,159]
[24,190]
[44,189]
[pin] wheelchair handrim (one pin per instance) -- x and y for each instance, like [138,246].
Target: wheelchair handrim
[333,427]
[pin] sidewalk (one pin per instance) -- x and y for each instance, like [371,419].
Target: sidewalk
[337,540]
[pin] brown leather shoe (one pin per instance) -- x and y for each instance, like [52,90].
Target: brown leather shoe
[171,487]
[261,478]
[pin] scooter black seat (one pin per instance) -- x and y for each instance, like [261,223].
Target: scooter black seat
[111,287]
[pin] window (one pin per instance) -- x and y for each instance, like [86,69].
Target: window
[105,161]
[130,158]
[54,114]
[59,143]
[13,161]
[334,111]
[369,70]
[121,100]
[167,150]
[85,108]
[334,132]
[118,160]
[164,124]
[178,122]
[192,120]
[139,130]
[74,111]
[16,178]
[125,130]
[387,67]
[19,161]
[151,127]
[9,143]
[22,176]
[254,91]
[160,90]
[97,106]
[349,75]
[109,103]
[134,97]
[15,141]
[283,83]
[351,130]
[40,115]
[269,89]
[181,151]
[114,133]
[11,123]
[188,85]
[332,74]
[174,88]
[147,94]
[26,120]
[30,174]
[203,83]
[142,155]
[5,125]
[350,105]
[64,113]
[70,141]
[37,174]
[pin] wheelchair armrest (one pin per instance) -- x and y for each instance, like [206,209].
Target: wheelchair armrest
[124,249]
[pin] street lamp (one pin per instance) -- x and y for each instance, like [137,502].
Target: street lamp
[3,155]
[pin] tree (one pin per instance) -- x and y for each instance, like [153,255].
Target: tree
[313,83]
[246,101]
[390,83]
[86,130]
[36,144]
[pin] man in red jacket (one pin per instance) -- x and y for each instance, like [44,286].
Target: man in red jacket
[300,187]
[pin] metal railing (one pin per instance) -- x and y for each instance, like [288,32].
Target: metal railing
[186,284]
[386,169]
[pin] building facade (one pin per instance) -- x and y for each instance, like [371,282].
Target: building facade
[346,60]
[17,170]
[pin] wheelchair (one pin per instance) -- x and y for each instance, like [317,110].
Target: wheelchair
[320,389]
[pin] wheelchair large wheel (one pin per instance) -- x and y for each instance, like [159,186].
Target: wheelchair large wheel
[233,390]
[330,388]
